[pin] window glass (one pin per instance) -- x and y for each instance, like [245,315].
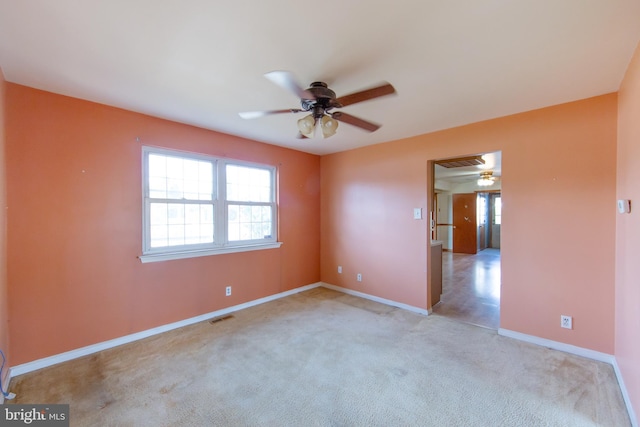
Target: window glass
[249,222]
[179,178]
[248,184]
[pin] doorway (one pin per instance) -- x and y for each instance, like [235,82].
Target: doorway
[468,218]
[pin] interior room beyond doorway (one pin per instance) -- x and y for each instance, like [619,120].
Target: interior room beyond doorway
[467,219]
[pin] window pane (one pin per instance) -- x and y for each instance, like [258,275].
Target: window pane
[175,224]
[266,214]
[158,187]
[248,184]
[192,234]
[497,208]
[191,189]
[157,165]
[176,235]
[175,167]
[245,231]
[249,222]
[266,230]
[159,236]
[190,169]
[205,180]
[175,213]
[245,214]
[206,233]
[158,214]
[481,209]
[256,214]
[172,177]
[256,231]
[192,214]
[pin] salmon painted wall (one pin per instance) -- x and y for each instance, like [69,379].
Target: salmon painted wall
[74,226]
[628,233]
[4,309]
[558,217]
[368,197]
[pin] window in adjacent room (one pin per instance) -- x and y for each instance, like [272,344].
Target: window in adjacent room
[497,211]
[198,205]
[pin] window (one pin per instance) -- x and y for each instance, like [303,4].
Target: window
[197,205]
[497,211]
[249,203]
[481,209]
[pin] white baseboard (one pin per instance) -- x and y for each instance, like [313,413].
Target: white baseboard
[579,351]
[556,345]
[376,299]
[625,394]
[6,382]
[84,351]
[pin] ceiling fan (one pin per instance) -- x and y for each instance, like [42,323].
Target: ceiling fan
[486,178]
[319,100]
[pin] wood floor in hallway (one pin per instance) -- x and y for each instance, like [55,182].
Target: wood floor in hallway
[471,288]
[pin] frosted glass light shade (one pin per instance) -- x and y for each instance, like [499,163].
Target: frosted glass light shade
[329,126]
[306,126]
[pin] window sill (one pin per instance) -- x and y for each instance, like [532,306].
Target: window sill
[168,256]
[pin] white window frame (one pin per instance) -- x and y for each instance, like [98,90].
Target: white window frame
[221,244]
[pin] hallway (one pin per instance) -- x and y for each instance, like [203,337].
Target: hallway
[471,288]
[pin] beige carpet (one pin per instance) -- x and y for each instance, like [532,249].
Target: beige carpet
[323,358]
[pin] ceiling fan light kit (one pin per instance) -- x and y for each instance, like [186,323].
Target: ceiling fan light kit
[316,125]
[486,178]
[319,100]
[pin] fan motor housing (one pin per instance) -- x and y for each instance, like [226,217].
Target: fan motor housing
[324,97]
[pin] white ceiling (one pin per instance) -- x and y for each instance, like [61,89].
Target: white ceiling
[202,61]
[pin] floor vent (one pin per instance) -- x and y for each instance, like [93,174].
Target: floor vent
[220,319]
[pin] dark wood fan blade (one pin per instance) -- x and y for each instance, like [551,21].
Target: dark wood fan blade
[286,80]
[355,121]
[365,95]
[256,114]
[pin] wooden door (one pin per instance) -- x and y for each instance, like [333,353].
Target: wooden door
[465,231]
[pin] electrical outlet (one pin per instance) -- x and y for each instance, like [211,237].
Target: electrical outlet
[359,277]
[228,291]
[339,269]
[566,322]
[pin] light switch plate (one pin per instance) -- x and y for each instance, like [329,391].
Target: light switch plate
[624,206]
[417,213]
